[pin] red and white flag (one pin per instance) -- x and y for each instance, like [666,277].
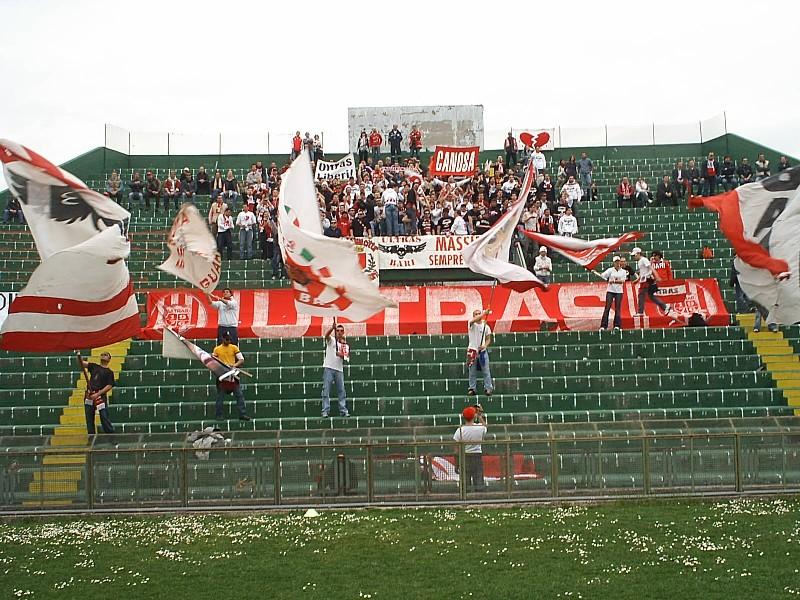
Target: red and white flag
[81,295]
[488,255]
[327,278]
[587,253]
[193,251]
[761,221]
[177,346]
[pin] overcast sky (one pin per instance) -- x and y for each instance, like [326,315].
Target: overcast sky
[208,66]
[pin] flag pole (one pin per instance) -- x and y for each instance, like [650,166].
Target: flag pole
[489,308]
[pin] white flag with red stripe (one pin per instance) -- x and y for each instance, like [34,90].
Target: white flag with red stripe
[488,255]
[761,221]
[193,251]
[327,278]
[587,253]
[81,295]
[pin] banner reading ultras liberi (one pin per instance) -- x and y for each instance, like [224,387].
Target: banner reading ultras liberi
[344,168]
[435,310]
[458,161]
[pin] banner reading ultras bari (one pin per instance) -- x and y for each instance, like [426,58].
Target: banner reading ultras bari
[456,161]
[344,168]
[435,310]
[416,251]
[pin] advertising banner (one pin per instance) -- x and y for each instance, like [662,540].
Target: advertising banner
[439,309]
[454,160]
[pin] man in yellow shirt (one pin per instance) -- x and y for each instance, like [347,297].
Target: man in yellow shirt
[230,355]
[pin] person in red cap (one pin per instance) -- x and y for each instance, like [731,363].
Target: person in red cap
[471,435]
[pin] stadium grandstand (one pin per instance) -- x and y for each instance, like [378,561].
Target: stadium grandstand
[656,405]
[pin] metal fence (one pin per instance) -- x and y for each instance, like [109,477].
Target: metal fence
[135,472]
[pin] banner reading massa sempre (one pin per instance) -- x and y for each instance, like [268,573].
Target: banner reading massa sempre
[417,251]
[438,309]
[344,168]
[456,161]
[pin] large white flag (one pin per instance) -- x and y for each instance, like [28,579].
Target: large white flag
[326,275]
[193,251]
[81,295]
[761,220]
[586,253]
[177,346]
[488,255]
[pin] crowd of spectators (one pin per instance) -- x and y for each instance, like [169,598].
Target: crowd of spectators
[393,194]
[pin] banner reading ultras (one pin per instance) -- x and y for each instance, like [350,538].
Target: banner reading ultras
[456,161]
[417,251]
[344,169]
[435,310]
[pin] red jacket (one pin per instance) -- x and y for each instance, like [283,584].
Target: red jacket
[297,143]
[375,140]
[662,270]
[625,190]
[415,139]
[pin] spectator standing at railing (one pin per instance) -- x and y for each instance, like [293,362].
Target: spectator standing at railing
[375,142]
[188,189]
[136,187]
[472,434]
[114,187]
[709,174]
[246,222]
[415,141]
[745,171]
[297,145]
[585,168]
[308,146]
[762,167]
[395,138]
[362,147]
[783,164]
[727,174]
[318,152]
[694,186]
[202,184]
[511,148]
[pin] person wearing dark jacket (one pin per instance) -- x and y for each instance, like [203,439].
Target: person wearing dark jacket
[665,193]
[693,186]
[728,174]
[203,183]
[679,179]
[709,172]
[745,171]
[395,137]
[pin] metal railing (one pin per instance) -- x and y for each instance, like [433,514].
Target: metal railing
[135,472]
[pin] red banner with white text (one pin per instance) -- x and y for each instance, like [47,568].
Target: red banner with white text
[458,161]
[440,309]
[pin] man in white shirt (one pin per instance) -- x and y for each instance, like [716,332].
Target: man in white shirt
[471,435]
[573,190]
[647,283]
[246,222]
[568,224]
[227,315]
[616,277]
[391,210]
[480,336]
[540,162]
[214,212]
[459,226]
[336,352]
[543,267]
[225,232]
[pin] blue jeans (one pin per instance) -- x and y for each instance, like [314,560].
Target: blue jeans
[230,330]
[245,244]
[616,299]
[376,153]
[278,268]
[392,220]
[586,183]
[7,216]
[328,377]
[137,195]
[230,200]
[649,289]
[483,359]
[237,393]
[105,422]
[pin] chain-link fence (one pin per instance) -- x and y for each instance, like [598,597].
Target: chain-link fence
[401,466]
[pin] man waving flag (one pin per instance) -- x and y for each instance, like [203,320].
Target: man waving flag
[326,275]
[81,295]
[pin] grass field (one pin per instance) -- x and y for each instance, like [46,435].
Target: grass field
[728,549]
